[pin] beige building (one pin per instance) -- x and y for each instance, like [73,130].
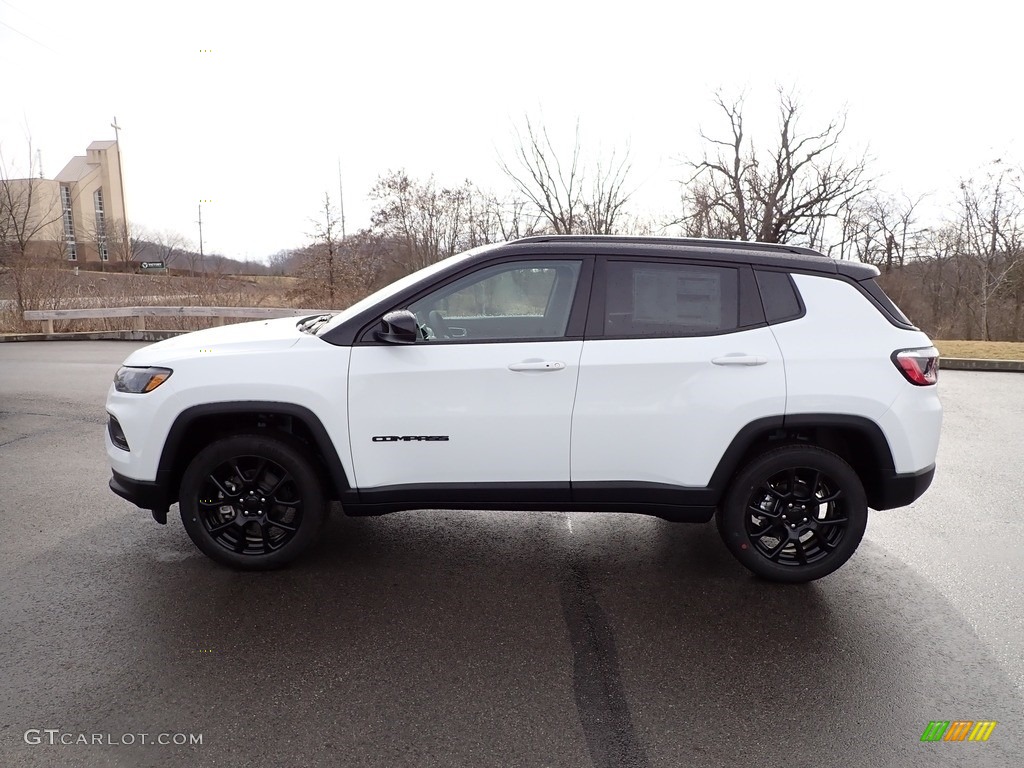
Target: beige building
[77,216]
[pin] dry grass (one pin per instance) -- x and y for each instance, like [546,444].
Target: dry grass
[982,350]
[58,288]
[282,282]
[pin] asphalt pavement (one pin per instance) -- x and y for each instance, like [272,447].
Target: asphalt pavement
[496,639]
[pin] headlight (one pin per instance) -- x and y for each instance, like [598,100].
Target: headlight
[139,380]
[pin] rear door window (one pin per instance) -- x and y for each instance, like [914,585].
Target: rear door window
[662,299]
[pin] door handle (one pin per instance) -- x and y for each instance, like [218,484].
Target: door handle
[738,359]
[538,365]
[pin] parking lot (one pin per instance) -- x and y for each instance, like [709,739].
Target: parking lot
[497,639]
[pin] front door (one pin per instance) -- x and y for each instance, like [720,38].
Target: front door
[484,399]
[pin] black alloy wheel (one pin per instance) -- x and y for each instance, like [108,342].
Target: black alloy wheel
[251,502]
[794,514]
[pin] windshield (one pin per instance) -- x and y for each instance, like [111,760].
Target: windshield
[400,285]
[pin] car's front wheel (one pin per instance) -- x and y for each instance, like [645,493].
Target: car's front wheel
[794,514]
[252,501]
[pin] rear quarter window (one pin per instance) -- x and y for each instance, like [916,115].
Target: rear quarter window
[888,306]
[778,295]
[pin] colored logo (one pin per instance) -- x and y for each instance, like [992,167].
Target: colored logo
[958,730]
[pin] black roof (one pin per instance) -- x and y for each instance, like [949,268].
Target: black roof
[763,254]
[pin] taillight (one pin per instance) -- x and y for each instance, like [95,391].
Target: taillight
[918,366]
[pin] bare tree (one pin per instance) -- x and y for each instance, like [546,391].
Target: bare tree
[169,246]
[325,239]
[572,197]
[493,219]
[603,208]
[194,259]
[357,270]
[990,235]
[706,214]
[880,229]
[362,263]
[282,263]
[30,211]
[1015,291]
[962,277]
[126,241]
[783,194]
[427,222]
[941,277]
[29,208]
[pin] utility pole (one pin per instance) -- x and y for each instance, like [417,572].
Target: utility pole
[202,259]
[341,201]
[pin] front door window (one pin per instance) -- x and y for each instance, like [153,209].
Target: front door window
[524,300]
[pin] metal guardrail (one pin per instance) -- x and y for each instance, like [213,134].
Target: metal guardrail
[139,314]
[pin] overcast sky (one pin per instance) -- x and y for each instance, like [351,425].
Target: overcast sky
[258,124]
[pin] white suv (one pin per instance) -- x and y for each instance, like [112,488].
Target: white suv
[670,377]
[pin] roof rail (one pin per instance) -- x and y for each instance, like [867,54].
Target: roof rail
[742,245]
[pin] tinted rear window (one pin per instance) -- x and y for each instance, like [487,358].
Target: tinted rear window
[658,299]
[779,296]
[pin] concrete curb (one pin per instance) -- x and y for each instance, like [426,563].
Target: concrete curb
[967,364]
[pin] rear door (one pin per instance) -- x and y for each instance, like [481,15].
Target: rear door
[677,360]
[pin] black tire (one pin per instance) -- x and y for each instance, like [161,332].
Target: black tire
[794,514]
[252,502]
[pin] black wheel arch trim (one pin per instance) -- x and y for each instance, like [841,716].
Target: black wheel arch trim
[341,489]
[885,488]
[861,424]
[731,460]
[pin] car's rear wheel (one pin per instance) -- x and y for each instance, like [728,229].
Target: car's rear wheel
[794,514]
[252,501]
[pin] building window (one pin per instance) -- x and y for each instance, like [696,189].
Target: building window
[101,225]
[69,223]
[101,231]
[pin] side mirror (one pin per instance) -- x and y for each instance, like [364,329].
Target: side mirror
[398,327]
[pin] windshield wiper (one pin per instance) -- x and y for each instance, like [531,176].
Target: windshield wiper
[312,324]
